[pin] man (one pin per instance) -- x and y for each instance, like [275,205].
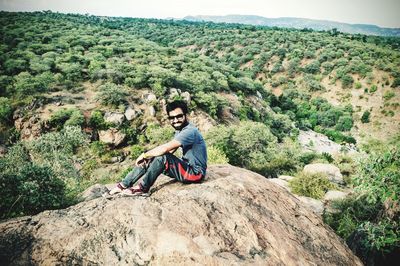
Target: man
[190,168]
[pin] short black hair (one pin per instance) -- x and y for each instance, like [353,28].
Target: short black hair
[177,104]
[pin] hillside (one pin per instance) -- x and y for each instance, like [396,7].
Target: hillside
[300,23]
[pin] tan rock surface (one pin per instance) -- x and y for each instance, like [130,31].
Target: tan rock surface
[235,217]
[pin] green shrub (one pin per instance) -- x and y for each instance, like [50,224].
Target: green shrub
[30,190]
[98,148]
[388,95]
[110,94]
[373,88]
[345,123]
[5,110]
[216,156]
[66,117]
[308,157]
[347,81]
[157,135]
[369,219]
[88,167]
[379,176]
[96,120]
[365,117]
[311,185]
[136,150]
[211,103]
[56,150]
[248,144]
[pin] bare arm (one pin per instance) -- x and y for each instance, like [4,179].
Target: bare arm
[159,150]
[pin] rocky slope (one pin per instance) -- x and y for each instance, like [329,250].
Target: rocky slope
[235,217]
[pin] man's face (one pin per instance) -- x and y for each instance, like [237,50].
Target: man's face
[177,118]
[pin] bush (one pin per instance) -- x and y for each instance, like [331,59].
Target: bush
[216,156]
[248,144]
[311,185]
[345,123]
[379,176]
[157,135]
[110,94]
[369,219]
[66,117]
[5,110]
[30,190]
[365,117]
[96,120]
[136,150]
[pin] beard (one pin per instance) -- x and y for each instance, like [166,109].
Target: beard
[179,125]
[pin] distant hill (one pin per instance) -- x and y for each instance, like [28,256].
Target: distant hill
[300,23]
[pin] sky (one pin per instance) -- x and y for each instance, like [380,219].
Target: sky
[383,13]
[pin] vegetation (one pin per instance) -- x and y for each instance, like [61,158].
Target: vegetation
[311,185]
[369,220]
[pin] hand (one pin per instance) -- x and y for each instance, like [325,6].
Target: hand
[141,160]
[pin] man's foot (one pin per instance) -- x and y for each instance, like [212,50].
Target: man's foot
[136,191]
[118,189]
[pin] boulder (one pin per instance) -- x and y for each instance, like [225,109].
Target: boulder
[235,217]
[114,118]
[186,96]
[152,111]
[173,92]
[313,204]
[335,195]
[111,136]
[149,98]
[131,113]
[332,171]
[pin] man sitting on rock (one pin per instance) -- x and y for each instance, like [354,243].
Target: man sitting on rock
[191,168]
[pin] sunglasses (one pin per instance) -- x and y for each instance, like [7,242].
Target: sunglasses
[172,118]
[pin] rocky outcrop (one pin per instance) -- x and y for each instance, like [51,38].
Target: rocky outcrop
[29,128]
[235,217]
[112,136]
[114,118]
[319,143]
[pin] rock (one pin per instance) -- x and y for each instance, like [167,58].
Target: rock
[151,97]
[111,136]
[281,183]
[152,111]
[114,117]
[286,177]
[332,171]
[319,143]
[259,94]
[186,97]
[29,128]
[131,113]
[235,217]
[202,120]
[94,192]
[334,195]
[173,92]
[313,204]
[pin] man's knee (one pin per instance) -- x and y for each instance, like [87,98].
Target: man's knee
[159,159]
